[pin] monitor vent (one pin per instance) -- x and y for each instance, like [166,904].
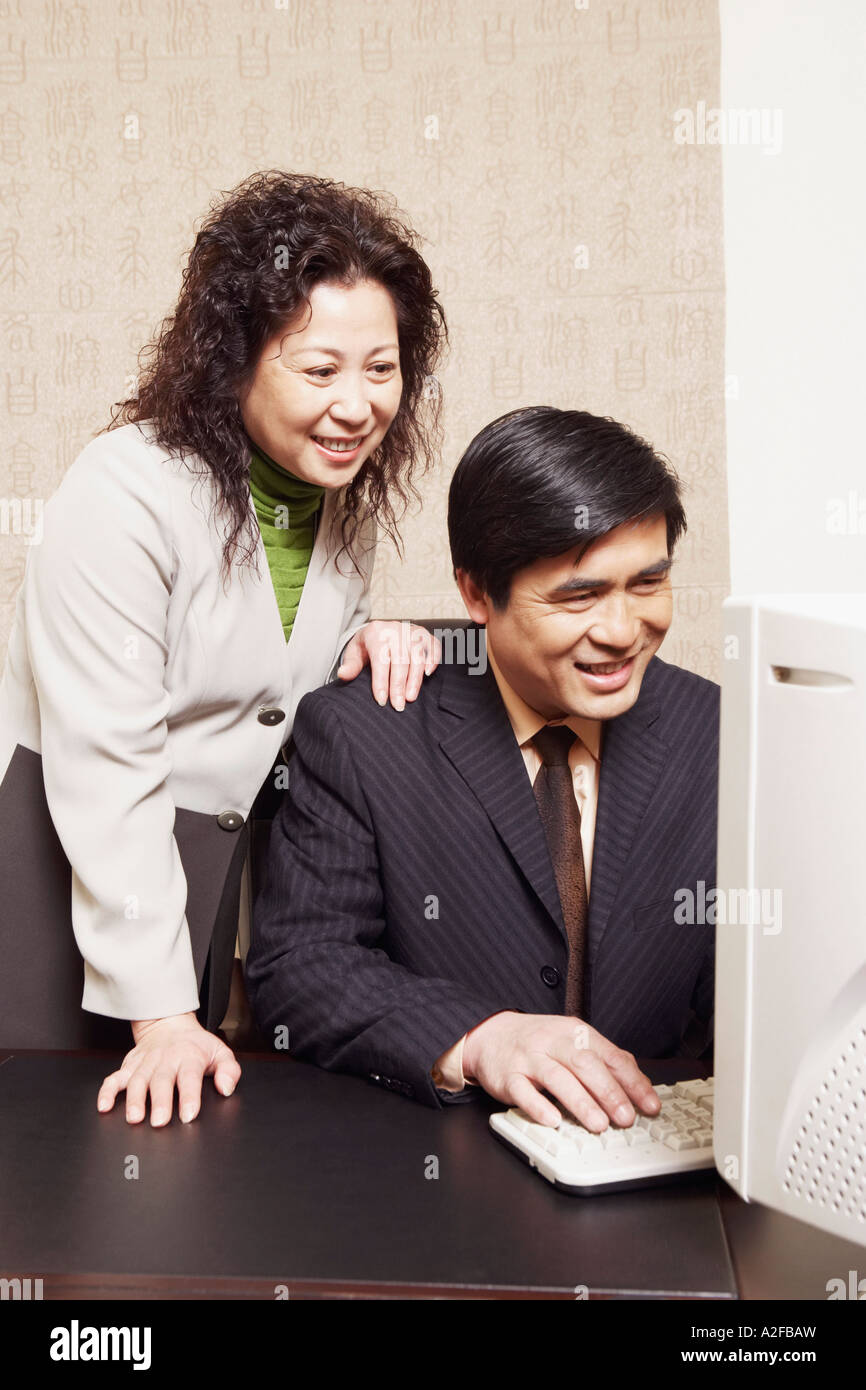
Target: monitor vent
[827,1161]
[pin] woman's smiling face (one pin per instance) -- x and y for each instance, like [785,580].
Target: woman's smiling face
[327,388]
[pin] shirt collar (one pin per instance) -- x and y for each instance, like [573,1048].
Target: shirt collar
[526,722]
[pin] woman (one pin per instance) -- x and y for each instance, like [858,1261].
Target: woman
[205,562]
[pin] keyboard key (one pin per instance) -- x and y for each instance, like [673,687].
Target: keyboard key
[688,1089]
[546,1138]
[592,1142]
[636,1137]
[573,1142]
[679,1142]
[614,1139]
[662,1129]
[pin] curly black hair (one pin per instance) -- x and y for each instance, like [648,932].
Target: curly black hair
[238,292]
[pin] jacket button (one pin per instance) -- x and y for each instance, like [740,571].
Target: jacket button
[230,820]
[550,975]
[271,714]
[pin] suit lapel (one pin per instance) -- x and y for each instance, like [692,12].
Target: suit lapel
[483,749]
[632,760]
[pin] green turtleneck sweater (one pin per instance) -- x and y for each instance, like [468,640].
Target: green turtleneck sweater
[285,508]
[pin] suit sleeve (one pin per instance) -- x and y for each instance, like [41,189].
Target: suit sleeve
[316,964]
[96,597]
[357,610]
[697,1038]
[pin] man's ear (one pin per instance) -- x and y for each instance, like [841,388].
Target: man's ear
[475,599]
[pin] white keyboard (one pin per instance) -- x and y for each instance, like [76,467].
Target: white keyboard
[679,1139]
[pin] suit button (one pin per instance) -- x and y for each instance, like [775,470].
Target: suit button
[271,714]
[230,820]
[550,975]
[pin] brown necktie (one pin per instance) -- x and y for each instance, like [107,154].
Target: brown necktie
[560,817]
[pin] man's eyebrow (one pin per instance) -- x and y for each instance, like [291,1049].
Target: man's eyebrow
[335,352]
[577,586]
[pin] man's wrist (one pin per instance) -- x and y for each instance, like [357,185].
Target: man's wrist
[447,1071]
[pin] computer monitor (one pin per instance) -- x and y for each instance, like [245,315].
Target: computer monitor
[790,1012]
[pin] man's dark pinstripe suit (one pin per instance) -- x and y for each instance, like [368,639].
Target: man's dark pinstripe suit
[409,891]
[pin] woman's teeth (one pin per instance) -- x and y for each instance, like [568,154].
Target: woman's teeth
[339,446]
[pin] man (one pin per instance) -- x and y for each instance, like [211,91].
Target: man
[479,890]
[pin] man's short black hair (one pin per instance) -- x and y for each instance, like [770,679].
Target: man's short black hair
[538,481]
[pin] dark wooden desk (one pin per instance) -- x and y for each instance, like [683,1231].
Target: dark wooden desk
[316,1182]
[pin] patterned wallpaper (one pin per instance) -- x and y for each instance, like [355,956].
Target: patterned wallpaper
[576,245]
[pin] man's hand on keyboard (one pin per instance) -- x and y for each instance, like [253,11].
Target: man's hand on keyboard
[514,1056]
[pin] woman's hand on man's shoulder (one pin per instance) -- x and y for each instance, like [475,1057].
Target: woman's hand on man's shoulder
[400,654]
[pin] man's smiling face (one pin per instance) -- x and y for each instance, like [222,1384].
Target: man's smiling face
[578,634]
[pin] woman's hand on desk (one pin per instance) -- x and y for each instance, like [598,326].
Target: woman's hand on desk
[169,1052]
[400,655]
